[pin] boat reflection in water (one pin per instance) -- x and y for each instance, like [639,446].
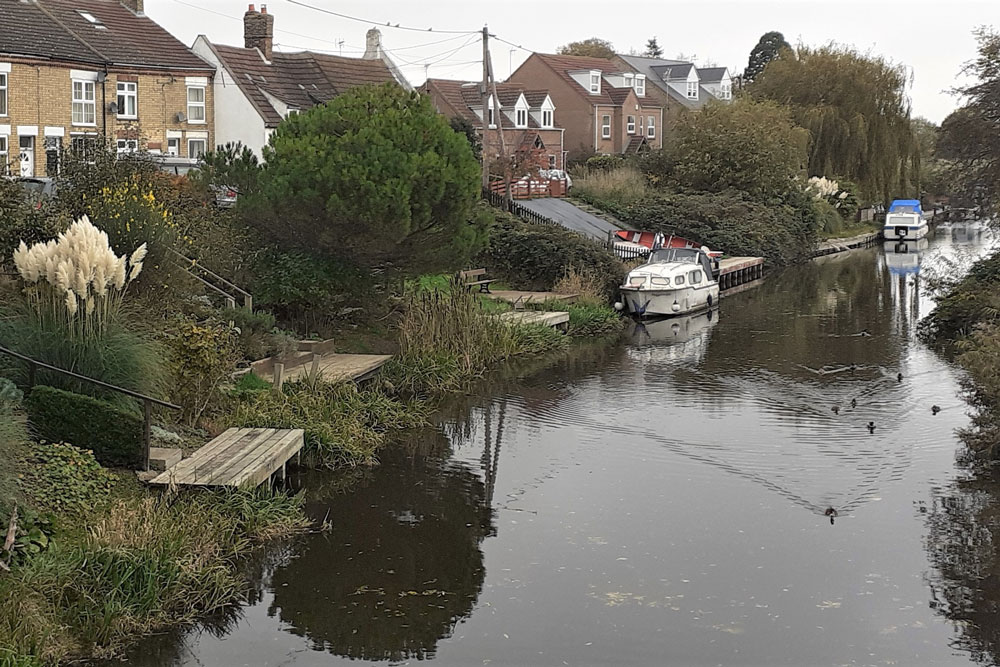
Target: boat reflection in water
[672,338]
[903,257]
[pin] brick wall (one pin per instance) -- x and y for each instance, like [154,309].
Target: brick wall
[40,100]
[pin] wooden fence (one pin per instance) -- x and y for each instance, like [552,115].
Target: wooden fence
[531,187]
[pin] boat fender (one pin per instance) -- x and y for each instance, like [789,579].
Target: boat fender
[676,307]
[709,300]
[619,306]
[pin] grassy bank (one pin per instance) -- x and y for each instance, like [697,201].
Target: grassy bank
[965,324]
[99,562]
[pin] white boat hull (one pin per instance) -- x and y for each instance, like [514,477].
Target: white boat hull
[904,227]
[642,302]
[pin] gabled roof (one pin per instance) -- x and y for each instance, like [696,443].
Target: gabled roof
[299,80]
[712,74]
[56,30]
[464,99]
[563,65]
[653,67]
[618,95]
[678,72]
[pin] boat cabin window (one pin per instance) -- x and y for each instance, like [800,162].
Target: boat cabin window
[679,280]
[694,277]
[662,282]
[683,255]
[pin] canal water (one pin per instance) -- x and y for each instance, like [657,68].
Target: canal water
[665,501]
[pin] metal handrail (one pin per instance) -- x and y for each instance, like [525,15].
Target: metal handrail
[247,297]
[147,401]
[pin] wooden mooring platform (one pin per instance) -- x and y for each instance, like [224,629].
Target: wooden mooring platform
[519,297]
[556,319]
[239,457]
[735,271]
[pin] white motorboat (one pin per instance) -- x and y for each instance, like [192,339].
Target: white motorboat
[673,281]
[904,221]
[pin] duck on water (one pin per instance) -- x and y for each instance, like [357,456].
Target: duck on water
[673,281]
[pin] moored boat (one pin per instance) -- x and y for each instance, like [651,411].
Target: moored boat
[904,221]
[673,281]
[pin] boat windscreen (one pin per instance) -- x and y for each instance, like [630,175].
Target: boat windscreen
[683,255]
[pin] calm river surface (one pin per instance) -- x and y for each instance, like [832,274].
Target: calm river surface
[662,502]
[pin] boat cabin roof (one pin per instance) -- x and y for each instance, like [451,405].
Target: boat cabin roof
[905,206]
[681,255]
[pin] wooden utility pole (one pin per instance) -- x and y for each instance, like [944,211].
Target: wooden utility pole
[498,121]
[485,95]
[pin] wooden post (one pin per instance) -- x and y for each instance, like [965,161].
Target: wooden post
[279,374]
[147,409]
[484,96]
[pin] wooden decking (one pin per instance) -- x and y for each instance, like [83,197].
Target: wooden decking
[517,296]
[331,367]
[238,457]
[555,319]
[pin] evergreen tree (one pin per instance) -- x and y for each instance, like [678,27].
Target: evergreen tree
[858,116]
[653,49]
[767,49]
[593,47]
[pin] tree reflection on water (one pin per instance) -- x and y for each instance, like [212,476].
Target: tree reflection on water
[963,522]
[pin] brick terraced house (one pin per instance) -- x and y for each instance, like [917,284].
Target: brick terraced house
[527,120]
[73,70]
[603,105]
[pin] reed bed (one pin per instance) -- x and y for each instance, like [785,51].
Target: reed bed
[624,185]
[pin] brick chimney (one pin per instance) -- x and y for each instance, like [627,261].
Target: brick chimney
[134,5]
[373,45]
[258,29]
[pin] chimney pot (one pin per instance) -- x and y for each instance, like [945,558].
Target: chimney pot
[250,8]
[263,9]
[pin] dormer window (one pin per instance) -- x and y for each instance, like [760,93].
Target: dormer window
[726,90]
[521,118]
[692,90]
[546,118]
[595,82]
[628,80]
[640,85]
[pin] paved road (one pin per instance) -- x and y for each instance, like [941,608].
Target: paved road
[571,217]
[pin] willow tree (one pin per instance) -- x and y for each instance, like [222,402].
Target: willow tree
[970,137]
[857,112]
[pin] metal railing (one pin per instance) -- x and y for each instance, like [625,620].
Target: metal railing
[147,401]
[228,291]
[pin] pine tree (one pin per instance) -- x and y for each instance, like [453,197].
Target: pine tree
[767,49]
[653,49]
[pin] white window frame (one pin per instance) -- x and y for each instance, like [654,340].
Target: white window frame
[552,161]
[4,154]
[196,108]
[521,118]
[173,145]
[629,79]
[651,127]
[630,125]
[3,94]
[127,90]
[79,106]
[640,85]
[692,90]
[204,147]
[726,90]
[546,118]
[595,82]
[605,126]
[126,146]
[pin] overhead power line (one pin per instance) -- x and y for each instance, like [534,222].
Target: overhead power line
[387,23]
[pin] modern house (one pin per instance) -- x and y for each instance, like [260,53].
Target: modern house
[603,106]
[256,87]
[679,86]
[72,71]
[527,120]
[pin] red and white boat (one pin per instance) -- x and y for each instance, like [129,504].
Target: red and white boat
[644,241]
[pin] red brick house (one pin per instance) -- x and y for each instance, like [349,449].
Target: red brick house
[527,120]
[602,105]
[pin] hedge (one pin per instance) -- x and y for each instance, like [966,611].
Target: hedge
[114,435]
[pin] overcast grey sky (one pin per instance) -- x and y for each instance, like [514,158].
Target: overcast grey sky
[932,39]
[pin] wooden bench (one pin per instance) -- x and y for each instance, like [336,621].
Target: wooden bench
[484,283]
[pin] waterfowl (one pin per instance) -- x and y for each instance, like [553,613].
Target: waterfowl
[832,513]
[899,377]
[854,402]
[835,409]
[871,427]
[935,409]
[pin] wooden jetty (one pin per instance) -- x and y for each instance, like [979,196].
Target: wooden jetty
[735,271]
[330,367]
[521,298]
[238,457]
[556,319]
[832,246]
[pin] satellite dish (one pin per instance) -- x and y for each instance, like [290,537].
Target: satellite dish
[181,117]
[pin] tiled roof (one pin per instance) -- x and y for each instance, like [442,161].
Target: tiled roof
[618,95]
[55,29]
[711,74]
[673,72]
[635,144]
[463,97]
[299,80]
[563,65]
[653,68]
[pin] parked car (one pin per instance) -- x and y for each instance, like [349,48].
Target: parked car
[37,190]
[225,195]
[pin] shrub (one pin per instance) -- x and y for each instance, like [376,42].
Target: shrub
[114,434]
[21,221]
[604,162]
[202,358]
[255,331]
[535,257]
[964,305]
[65,479]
